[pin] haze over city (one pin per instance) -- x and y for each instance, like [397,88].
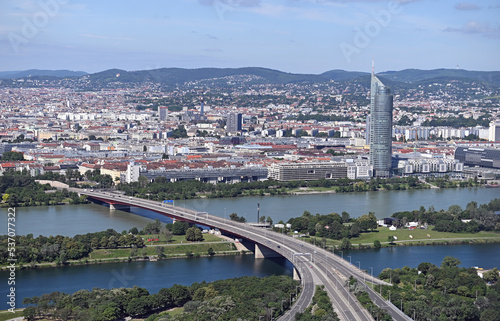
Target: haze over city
[301,36]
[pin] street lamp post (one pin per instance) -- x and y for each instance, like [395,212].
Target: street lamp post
[359,265]
[349,260]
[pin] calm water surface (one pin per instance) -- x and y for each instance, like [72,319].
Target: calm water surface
[481,255]
[150,275]
[79,219]
[383,203]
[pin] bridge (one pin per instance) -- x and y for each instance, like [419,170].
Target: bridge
[312,265]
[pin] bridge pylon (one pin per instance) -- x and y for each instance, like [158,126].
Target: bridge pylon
[262,252]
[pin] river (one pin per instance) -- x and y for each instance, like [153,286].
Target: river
[150,275]
[78,219]
[382,203]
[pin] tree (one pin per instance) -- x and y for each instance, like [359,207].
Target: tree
[152,228]
[491,276]
[346,244]
[424,267]
[12,156]
[193,234]
[168,236]
[30,313]
[138,306]
[179,228]
[449,262]
[160,251]
[236,218]
[345,217]
[376,244]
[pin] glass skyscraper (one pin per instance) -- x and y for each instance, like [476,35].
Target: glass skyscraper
[380,127]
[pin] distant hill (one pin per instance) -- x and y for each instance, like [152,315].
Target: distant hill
[179,75]
[339,75]
[417,75]
[41,73]
[256,75]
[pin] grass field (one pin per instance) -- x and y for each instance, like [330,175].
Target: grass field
[195,248]
[6,315]
[419,235]
[177,239]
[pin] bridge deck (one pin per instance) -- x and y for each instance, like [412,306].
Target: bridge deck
[320,266]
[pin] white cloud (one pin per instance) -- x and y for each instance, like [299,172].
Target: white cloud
[466,6]
[87,35]
[475,27]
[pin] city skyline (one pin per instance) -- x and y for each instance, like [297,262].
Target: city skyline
[301,36]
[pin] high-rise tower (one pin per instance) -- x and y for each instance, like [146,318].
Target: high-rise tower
[234,122]
[380,128]
[163,112]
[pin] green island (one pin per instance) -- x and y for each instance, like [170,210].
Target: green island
[476,223]
[155,241]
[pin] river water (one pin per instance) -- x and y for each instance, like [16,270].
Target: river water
[78,219]
[382,203]
[150,275]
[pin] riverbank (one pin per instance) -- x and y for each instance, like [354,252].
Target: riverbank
[7,315]
[405,237]
[125,259]
[177,249]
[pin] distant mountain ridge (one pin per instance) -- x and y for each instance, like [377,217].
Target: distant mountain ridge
[181,75]
[175,76]
[41,73]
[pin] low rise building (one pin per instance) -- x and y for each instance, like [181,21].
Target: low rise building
[307,171]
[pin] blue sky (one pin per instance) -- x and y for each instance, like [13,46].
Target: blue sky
[303,36]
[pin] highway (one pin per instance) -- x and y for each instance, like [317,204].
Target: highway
[313,264]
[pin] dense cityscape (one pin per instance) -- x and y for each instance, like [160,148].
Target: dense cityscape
[229,129]
[239,160]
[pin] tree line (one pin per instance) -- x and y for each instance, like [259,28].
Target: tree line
[448,292]
[60,249]
[161,189]
[23,190]
[472,219]
[333,226]
[245,298]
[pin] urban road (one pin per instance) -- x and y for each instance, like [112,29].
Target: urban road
[314,265]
